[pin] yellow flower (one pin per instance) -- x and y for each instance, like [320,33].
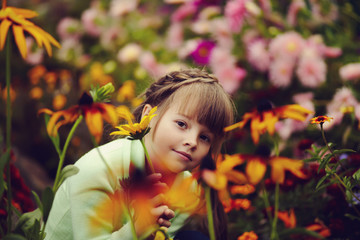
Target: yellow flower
[265,117]
[256,168]
[93,113]
[135,130]
[17,18]
[320,119]
[184,196]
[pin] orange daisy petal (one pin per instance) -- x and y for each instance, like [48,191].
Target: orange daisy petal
[255,170]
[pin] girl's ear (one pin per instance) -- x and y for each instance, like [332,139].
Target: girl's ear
[147,108]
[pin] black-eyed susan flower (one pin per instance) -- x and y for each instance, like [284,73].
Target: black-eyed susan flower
[320,119]
[17,18]
[93,112]
[135,130]
[264,118]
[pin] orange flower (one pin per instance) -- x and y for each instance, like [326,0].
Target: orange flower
[242,189]
[265,117]
[93,113]
[237,204]
[17,18]
[224,172]
[256,168]
[320,119]
[248,236]
[288,219]
[320,228]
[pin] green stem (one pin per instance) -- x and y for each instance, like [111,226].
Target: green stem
[63,153]
[8,130]
[274,234]
[209,212]
[267,203]
[147,156]
[327,145]
[327,168]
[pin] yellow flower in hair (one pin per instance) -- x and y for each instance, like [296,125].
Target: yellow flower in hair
[135,130]
[17,18]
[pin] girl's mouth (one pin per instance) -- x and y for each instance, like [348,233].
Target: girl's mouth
[184,155]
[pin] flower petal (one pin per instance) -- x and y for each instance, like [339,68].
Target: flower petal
[94,123]
[255,170]
[20,40]
[4,28]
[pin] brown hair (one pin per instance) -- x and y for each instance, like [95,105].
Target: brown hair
[201,96]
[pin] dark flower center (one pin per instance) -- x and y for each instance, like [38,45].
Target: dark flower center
[263,150]
[264,105]
[85,99]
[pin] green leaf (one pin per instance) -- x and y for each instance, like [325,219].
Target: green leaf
[4,159]
[340,151]
[352,217]
[68,171]
[13,236]
[356,175]
[27,220]
[47,199]
[304,231]
[324,161]
[38,201]
[321,181]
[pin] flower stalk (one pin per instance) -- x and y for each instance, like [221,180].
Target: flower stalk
[209,212]
[63,153]
[8,126]
[147,156]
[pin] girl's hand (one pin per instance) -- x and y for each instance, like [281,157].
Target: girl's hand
[157,210]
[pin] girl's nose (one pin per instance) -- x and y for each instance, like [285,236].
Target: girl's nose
[190,140]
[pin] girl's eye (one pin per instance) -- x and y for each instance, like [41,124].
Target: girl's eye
[181,124]
[205,138]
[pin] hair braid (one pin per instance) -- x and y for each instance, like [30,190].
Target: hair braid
[168,84]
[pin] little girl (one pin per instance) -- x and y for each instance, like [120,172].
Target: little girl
[192,111]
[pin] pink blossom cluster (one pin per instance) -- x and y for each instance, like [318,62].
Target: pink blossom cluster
[290,54]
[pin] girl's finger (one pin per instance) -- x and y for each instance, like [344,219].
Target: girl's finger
[164,223]
[154,177]
[158,211]
[169,214]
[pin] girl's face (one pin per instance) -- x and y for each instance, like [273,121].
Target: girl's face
[178,143]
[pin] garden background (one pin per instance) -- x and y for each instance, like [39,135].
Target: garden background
[266,54]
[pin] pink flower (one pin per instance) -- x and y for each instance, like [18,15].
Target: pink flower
[258,56]
[148,62]
[311,69]
[175,36]
[341,102]
[201,54]
[119,8]
[295,7]
[265,5]
[221,33]
[224,68]
[350,71]
[91,19]
[185,10]
[69,28]
[289,45]
[235,11]
[35,55]
[129,53]
[317,42]
[281,71]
